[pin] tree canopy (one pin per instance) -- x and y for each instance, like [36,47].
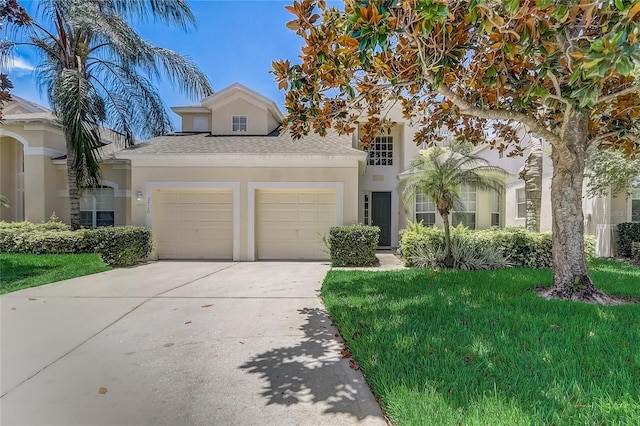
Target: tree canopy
[482,69]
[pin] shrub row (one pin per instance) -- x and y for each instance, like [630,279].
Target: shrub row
[353,245]
[519,247]
[628,233]
[121,246]
[635,251]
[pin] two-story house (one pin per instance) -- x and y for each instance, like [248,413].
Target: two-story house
[233,185]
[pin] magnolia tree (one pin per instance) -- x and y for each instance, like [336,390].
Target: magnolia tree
[482,68]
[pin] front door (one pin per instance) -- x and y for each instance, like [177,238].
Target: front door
[381,215]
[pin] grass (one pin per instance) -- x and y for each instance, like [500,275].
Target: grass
[481,348]
[20,271]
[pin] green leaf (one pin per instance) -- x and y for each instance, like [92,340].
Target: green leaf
[624,65]
[574,76]
[543,4]
[561,12]
[511,6]
[598,45]
[619,4]
[524,37]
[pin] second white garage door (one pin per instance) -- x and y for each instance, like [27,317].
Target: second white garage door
[194,224]
[290,224]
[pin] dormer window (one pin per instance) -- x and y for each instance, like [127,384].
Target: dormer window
[239,123]
[200,124]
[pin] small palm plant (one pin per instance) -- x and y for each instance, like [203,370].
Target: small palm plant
[4,202]
[439,174]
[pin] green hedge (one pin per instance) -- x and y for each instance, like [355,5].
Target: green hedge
[121,246]
[353,245]
[521,248]
[635,251]
[627,233]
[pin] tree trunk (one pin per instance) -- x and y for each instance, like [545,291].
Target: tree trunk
[531,173]
[448,257]
[74,191]
[570,278]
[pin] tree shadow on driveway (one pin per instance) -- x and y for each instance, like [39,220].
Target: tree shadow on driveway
[313,372]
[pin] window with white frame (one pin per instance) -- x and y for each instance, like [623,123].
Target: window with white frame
[495,209]
[381,151]
[521,203]
[96,207]
[635,200]
[200,124]
[468,216]
[366,209]
[239,123]
[425,210]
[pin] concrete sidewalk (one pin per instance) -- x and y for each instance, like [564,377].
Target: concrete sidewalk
[179,343]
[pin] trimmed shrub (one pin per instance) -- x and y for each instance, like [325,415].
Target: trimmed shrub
[519,247]
[635,251]
[353,245]
[628,233]
[121,246]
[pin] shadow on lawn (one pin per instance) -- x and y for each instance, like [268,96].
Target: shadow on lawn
[13,270]
[312,371]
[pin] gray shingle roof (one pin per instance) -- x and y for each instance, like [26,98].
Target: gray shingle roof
[203,143]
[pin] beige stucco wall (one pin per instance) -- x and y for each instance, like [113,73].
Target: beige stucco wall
[10,154]
[40,143]
[187,120]
[257,118]
[145,176]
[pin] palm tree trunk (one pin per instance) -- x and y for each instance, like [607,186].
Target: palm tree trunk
[448,257]
[74,191]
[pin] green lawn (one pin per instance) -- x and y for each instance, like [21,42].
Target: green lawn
[481,348]
[19,271]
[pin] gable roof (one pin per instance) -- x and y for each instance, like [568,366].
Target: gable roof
[236,90]
[22,110]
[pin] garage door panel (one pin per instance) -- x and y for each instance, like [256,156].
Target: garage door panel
[194,224]
[290,223]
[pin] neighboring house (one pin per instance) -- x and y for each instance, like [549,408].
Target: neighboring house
[232,185]
[33,171]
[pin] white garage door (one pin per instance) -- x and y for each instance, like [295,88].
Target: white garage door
[290,224]
[194,224]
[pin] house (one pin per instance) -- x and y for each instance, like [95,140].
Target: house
[33,173]
[233,185]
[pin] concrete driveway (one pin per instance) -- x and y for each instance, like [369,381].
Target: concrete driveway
[179,343]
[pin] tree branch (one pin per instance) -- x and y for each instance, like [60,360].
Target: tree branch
[467,109]
[632,89]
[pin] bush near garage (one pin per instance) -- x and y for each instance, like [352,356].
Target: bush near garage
[628,233]
[520,247]
[635,251]
[353,245]
[118,246]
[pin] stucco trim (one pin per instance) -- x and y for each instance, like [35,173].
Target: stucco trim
[45,152]
[21,139]
[251,217]
[234,186]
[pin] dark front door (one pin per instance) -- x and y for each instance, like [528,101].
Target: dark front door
[381,215]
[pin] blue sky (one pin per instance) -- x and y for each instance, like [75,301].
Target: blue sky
[235,41]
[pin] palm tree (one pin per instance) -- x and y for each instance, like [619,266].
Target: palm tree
[4,202]
[439,174]
[98,71]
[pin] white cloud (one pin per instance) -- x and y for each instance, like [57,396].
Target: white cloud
[18,64]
